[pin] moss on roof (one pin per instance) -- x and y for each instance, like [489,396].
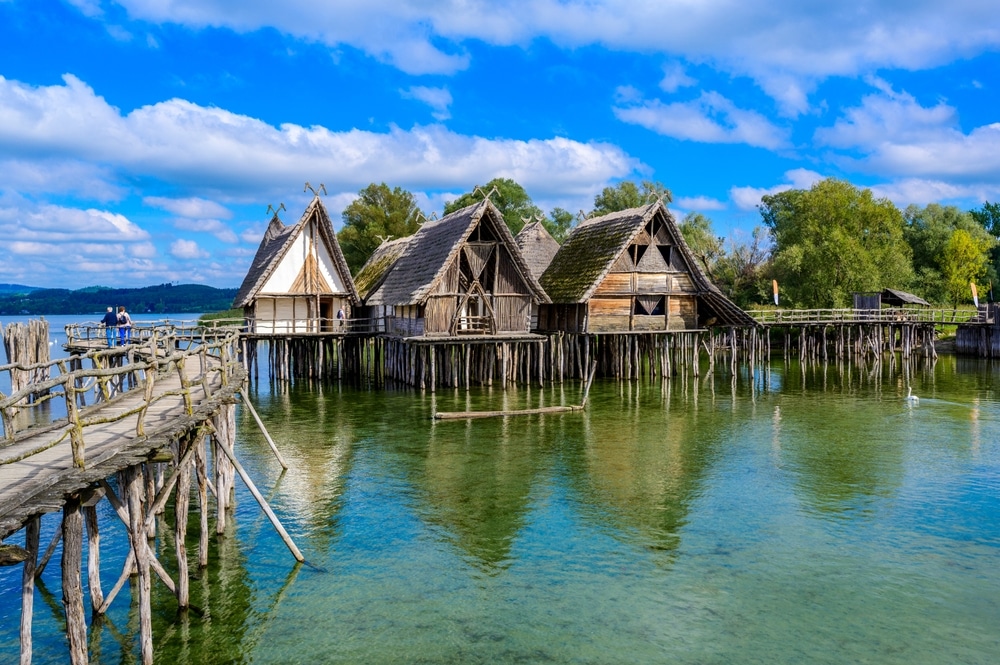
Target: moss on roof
[589,252]
[373,273]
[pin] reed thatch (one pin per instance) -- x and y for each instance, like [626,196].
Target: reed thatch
[435,248]
[538,247]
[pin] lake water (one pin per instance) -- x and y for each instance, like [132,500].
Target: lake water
[799,516]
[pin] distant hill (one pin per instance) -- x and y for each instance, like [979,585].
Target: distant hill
[16,288]
[179,298]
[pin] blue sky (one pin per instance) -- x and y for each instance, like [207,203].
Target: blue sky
[141,141]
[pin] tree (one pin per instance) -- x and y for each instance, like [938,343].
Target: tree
[988,216]
[627,194]
[834,240]
[378,214]
[701,240]
[963,261]
[510,199]
[558,224]
[744,272]
[929,231]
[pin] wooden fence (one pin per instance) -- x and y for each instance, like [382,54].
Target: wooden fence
[199,359]
[887,315]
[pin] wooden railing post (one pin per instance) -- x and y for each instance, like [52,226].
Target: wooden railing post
[76,429]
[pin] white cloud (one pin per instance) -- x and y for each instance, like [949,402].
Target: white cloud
[896,136]
[711,118]
[748,198]
[49,245]
[773,41]
[922,191]
[208,150]
[438,99]
[699,203]
[674,77]
[193,207]
[54,176]
[55,224]
[217,228]
[187,249]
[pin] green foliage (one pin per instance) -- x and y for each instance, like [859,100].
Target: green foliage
[929,231]
[963,261]
[834,240]
[379,213]
[235,313]
[510,199]
[744,271]
[558,224]
[988,216]
[627,194]
[701,239]
[172,298]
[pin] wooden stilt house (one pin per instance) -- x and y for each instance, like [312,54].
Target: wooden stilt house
[298,280]
[631,271]
[460,275]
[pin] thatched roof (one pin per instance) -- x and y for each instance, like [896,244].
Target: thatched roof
[537,247]
[378,265]
[894,297]
[432,249]
[590,252]
[276,242]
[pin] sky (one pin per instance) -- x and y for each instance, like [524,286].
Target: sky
[143,141]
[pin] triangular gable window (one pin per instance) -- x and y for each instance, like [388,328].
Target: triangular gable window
[649,305]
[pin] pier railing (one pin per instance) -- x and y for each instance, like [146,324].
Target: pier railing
[65,398]
[839,316]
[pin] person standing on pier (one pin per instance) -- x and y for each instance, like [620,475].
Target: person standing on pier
[110,322]
[124,326]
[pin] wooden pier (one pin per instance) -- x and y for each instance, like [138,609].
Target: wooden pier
[134,426]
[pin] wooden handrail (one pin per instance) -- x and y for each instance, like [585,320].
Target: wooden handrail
[889,315]
[115,373]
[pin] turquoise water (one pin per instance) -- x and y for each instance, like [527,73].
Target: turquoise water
[800,516]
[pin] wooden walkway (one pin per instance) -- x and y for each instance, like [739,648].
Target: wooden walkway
[122,427]
[134,412]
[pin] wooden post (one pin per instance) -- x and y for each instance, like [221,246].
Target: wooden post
[201,470]
[134,492]
[223,438]
[93,558]
[263,504]
[263,430]
[72,562]
[181,503]
[31,533]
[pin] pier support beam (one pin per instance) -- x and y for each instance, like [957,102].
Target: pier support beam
[72,589]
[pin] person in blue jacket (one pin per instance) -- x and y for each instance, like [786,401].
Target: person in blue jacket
[110,322]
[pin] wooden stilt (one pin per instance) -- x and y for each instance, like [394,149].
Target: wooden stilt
[93,558]
[31,533]
[181,503]
[134,491]
[72,589]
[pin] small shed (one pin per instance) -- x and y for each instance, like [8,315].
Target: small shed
[298,280]
[896,298]
[460,275]
[631,271]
